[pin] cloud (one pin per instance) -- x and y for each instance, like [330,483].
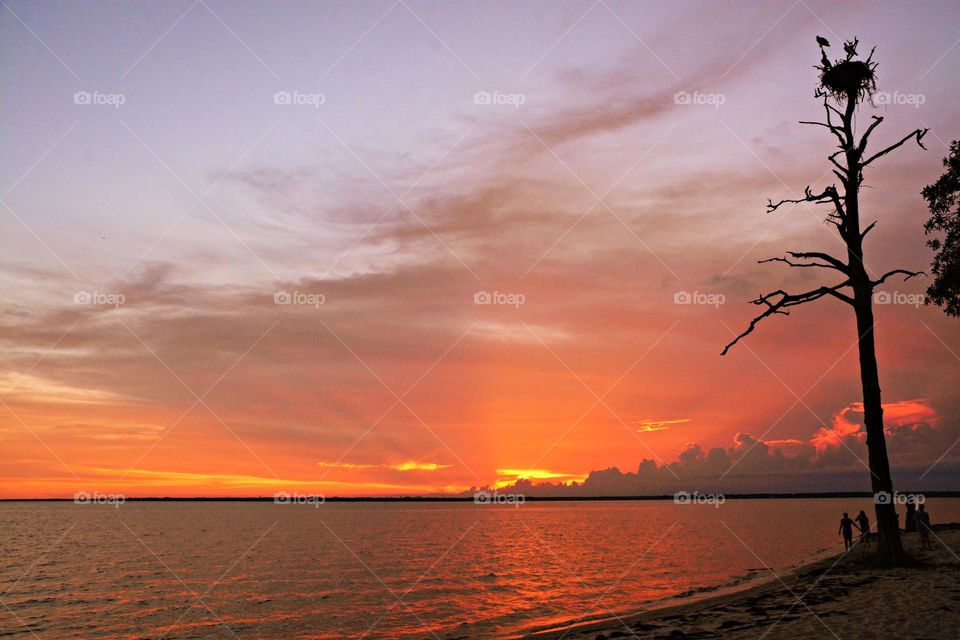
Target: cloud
[646,426]
[176,481]
[820,463]
[419,466]
[31,388]
[506,476]
[912,415]
[402,466]
[788,442]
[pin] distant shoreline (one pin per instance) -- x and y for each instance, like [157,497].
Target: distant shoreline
[527,498]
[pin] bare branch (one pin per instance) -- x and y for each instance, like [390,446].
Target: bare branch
[829,194]
[835,130]
[904,272]
[863,140]
[829,125]
[791,263]
[836,263]
[832,108]
[918,133]
[819,124]
[840,214]
[777,302]
[868,229]
[843,171]
[828,261]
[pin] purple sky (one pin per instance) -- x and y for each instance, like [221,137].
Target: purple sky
[587,186]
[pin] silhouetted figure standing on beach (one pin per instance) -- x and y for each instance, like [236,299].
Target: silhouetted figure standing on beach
[846,528]
[863,523]
[922,522]
[909,524]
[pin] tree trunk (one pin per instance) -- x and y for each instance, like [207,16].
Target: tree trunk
[890,550]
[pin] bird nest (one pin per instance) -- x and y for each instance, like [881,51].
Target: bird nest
[849,78]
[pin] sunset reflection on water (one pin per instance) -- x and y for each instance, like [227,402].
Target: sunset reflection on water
[400,570]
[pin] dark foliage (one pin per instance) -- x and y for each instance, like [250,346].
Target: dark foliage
[943,198]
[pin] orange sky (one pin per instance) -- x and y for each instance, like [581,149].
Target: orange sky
[300,286]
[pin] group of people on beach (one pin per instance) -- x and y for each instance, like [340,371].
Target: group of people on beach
[847,525]
[921,521]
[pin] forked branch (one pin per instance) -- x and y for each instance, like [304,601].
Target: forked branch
[834,129]
[916,133]
[829,194]
[842,172]
[778,302]
[826,261]
[866,134]
[903,272]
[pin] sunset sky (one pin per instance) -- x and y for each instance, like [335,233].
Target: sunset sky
[243,246]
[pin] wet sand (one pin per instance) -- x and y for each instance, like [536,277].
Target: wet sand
[842,597]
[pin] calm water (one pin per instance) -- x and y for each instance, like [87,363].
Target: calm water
[263,570]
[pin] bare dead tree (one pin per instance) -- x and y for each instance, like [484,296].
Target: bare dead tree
[844,84]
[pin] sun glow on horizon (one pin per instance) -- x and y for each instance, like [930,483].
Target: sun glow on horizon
[507,477]
[403,466]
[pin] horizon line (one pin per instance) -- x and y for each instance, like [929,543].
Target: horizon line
[530,498]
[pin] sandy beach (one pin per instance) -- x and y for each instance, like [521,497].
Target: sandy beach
[840,597]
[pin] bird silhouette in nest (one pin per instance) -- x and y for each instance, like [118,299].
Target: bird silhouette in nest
[824,43]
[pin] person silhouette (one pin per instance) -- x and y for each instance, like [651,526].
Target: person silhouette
[922,521]
[846,528]
[909,524]
[863,523]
